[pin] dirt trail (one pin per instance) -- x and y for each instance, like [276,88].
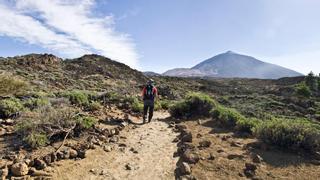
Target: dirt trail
[145,149]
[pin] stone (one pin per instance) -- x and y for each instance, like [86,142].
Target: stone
[180,127]
[220,150]
[175,140]
[53,157]
[187,137]
[257,159]
[107,148]
[133,150]
[9,122]
[235,156]
[73,153]
[2,131]
[205,144]
[250,166]
[190,157]
[4,172]
[187,177]
[235,144]
[129,167]
[19,169]
[47,159]
[199,135]
[114,139]
[60,155]
[28,162]
[185,168]
[39,164]
[82,153]
[211,157]
[103,138]
[316,155]
[66,153]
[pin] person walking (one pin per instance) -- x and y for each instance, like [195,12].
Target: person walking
[149,95]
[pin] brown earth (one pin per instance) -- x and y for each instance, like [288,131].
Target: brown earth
[231,151]
[143,152]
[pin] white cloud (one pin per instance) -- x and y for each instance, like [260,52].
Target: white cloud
[67,27]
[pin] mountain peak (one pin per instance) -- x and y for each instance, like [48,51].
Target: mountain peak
[230,52]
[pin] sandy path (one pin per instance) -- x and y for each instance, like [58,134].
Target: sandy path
[153,159]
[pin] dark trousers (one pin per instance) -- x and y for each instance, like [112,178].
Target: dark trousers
[148,106]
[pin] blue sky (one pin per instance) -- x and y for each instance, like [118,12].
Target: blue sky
[160,35]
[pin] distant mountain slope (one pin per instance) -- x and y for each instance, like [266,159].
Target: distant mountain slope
[231,65]
[150,73]
[184,72]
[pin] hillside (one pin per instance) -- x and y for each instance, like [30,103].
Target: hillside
[230,65]
[89,72]
[82,119]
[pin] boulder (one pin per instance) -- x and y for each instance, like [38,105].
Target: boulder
[39,164]
[73,153]
[53,157]
[2,131]
[47,159]
[4,172]
[82,153]
[19,169]
[185,168]
[250,170]
[187,137]
[190,157]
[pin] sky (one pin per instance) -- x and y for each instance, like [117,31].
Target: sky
[154,35]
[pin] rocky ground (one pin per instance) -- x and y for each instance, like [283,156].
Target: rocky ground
[142,152]
[218,153]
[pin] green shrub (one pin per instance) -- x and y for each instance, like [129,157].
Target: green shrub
[93,106]
[164,104]
[290,133]
[34,103]
[36,139]
[11,85]
[79,98]
[303,90]
[9,107]
[247,124]
[137,106]
[86,121]
[227,116]
[194,105]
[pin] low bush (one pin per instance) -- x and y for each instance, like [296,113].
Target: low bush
[247,124]
[290,133]
[227,116]
[9,107]
[194,105]
[93,106]
[78,98]
[86,121]
[35,139]
[137,106]
[303,90]
[164,104]
[35,103]
[12,86]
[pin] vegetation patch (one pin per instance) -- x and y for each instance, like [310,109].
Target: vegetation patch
[12,86]
[290,133]
[9,107]
[194,105]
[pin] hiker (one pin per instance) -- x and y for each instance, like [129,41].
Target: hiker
[149,95]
